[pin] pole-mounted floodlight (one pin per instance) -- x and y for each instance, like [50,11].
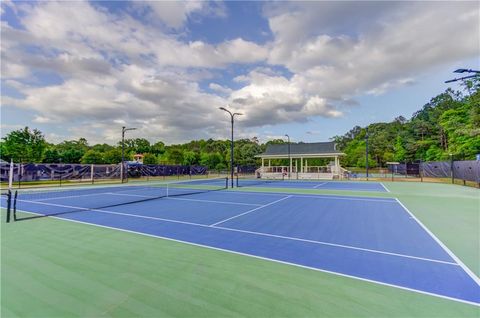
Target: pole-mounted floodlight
[122,167]
[464,70]
[289,158]
[232,115]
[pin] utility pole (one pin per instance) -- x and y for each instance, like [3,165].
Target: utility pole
[232,116]
[122,167]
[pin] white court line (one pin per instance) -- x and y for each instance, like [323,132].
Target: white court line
[131,195]
[180,199]
[271,260]
[80,209]
[71,196]
[320,184]
[381,183]
[336,245]
[315,196]
[77,195]
[212,201]
[445,248]
[250,211]
[251,232]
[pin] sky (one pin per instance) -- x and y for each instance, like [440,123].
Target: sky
[311,70]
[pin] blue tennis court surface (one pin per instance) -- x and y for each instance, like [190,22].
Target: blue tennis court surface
[374,239]
[320,185]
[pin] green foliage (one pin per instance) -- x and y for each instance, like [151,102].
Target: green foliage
[211,160]
[399,150]
[51,156]
[190,158]
[72,151]
[113,156]
[24,145]
[157,148]
[449,123]
[92,157]
[174,155]
[150,159]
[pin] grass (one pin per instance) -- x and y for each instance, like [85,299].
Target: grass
[55,268]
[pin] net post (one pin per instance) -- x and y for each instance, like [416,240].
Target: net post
[15,206]
[9,199]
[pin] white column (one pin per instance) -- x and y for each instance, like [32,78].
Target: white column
[269,161]
[306,165]
[263,163]
[301,165]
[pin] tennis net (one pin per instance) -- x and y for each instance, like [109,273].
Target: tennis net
[249,182]
[43,203]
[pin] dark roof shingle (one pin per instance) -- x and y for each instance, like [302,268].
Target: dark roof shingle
[302,148]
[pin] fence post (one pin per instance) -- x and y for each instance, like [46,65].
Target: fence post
[20,168]
[420,171]
[451,169]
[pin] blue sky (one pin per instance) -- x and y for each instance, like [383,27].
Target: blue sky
[309,69]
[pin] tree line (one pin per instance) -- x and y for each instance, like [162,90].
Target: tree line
[448,124]
[29,145]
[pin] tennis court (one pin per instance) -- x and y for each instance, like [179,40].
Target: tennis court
[313,184]
[372,239]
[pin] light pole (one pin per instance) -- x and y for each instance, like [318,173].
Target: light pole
[232,115]
[366,151]
[476,74]
[122,167]
[289,159]
[464,70]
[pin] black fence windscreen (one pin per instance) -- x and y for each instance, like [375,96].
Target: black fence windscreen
[49,171]
[468,170]
[165,170]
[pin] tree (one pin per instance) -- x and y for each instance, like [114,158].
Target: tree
[51,156]
[190,158]
[175,155]
[102,147]
[113,156]
[72,151]
[92,156]
[24,145]
[150,159]
[142,145]
[211,160]
[157,148]
[137,145]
